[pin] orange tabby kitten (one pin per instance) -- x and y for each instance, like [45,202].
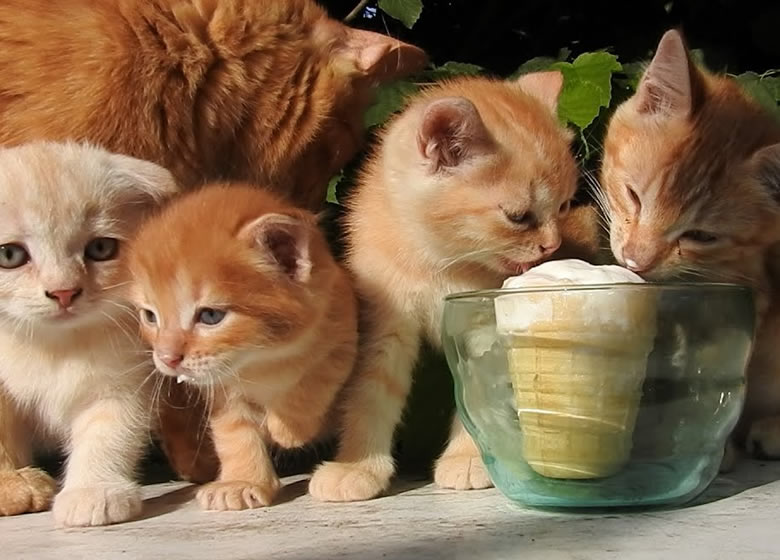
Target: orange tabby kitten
[468,186]
[270,91]
[691,181]
[240,297]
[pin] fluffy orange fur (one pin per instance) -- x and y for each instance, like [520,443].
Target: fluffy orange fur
[240,296]
[691,183]
[268,91]
[469,185]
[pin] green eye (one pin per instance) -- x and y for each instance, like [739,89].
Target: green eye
[13,255]
[102,249]
[209,316]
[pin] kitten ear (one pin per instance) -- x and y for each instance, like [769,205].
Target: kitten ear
[141,177]
[666,87]
[452,132]
[766,163]
[544,86]
[285,240]
[377,56]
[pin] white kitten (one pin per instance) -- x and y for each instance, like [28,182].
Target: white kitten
[72,369]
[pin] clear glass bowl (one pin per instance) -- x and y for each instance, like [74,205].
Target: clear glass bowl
[600,395]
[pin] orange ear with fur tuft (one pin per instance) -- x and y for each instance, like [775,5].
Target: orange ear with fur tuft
[377,56]
[666,86]
[544,86]
[452,132]
[766,162]
[285,241]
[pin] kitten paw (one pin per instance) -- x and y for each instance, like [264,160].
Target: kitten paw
[351,482]
[25,490]
[235,495]
[763,441]
[102,504]
[461,472]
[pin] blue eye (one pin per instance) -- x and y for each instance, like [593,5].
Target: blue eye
[102,249]
[209,316]
[13,255]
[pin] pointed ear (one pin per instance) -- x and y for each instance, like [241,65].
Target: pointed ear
[544,86]
[666,87]
[766,163]
[374,55]
[284,241]
[452,132]
[134,177]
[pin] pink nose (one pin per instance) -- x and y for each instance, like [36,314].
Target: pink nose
[171,360]
[551,247]
[64,297]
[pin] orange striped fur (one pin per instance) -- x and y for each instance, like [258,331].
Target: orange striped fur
[272,367]
[691,183]
[269,91]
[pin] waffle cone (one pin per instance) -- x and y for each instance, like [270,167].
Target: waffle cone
[578,383]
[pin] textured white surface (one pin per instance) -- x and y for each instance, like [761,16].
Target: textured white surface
[738,518]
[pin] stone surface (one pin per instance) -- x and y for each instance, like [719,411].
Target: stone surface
[737,517]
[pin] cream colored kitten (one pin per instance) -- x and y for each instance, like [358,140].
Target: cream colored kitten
[73,369]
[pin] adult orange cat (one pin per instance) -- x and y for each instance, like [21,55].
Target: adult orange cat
[691,182]
[270,91]
[240,297]
[470,184]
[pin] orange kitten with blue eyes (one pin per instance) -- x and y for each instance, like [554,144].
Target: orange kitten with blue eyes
[691,182]
[73,371]
[241,298]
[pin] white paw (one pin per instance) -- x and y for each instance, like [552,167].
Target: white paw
[25,490]
[233,495]
[351,482]
[102,504]
[461,472]
[763,441]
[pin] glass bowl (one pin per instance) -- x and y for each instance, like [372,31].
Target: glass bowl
[600,395]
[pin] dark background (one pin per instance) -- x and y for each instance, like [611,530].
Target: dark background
[736,35]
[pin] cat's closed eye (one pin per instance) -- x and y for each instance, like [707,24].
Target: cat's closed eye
[633,197]
[102,249]
[13,255]
[521,218]
[700,236]
[210,316]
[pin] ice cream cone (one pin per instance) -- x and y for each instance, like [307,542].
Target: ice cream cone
[577,361]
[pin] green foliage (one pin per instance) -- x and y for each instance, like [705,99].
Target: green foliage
[765,88]
[405,11]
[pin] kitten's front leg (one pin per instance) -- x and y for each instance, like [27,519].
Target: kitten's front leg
[460,466]
[247,478]
[106,444]
[371,410]
[23,488]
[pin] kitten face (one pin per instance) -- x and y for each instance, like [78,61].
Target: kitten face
[66,212]
[213,299]
[690,173]
[492,175]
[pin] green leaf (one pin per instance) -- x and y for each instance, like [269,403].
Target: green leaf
[459,69]
[535,64]
[764,88]
[405,11]
[332,195]
[587,87]
[389,99]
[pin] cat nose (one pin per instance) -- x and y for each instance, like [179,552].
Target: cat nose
[551,246]
[636,263]
[171,360]
[64,297]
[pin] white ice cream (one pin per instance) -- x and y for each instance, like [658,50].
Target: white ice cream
[517,312]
